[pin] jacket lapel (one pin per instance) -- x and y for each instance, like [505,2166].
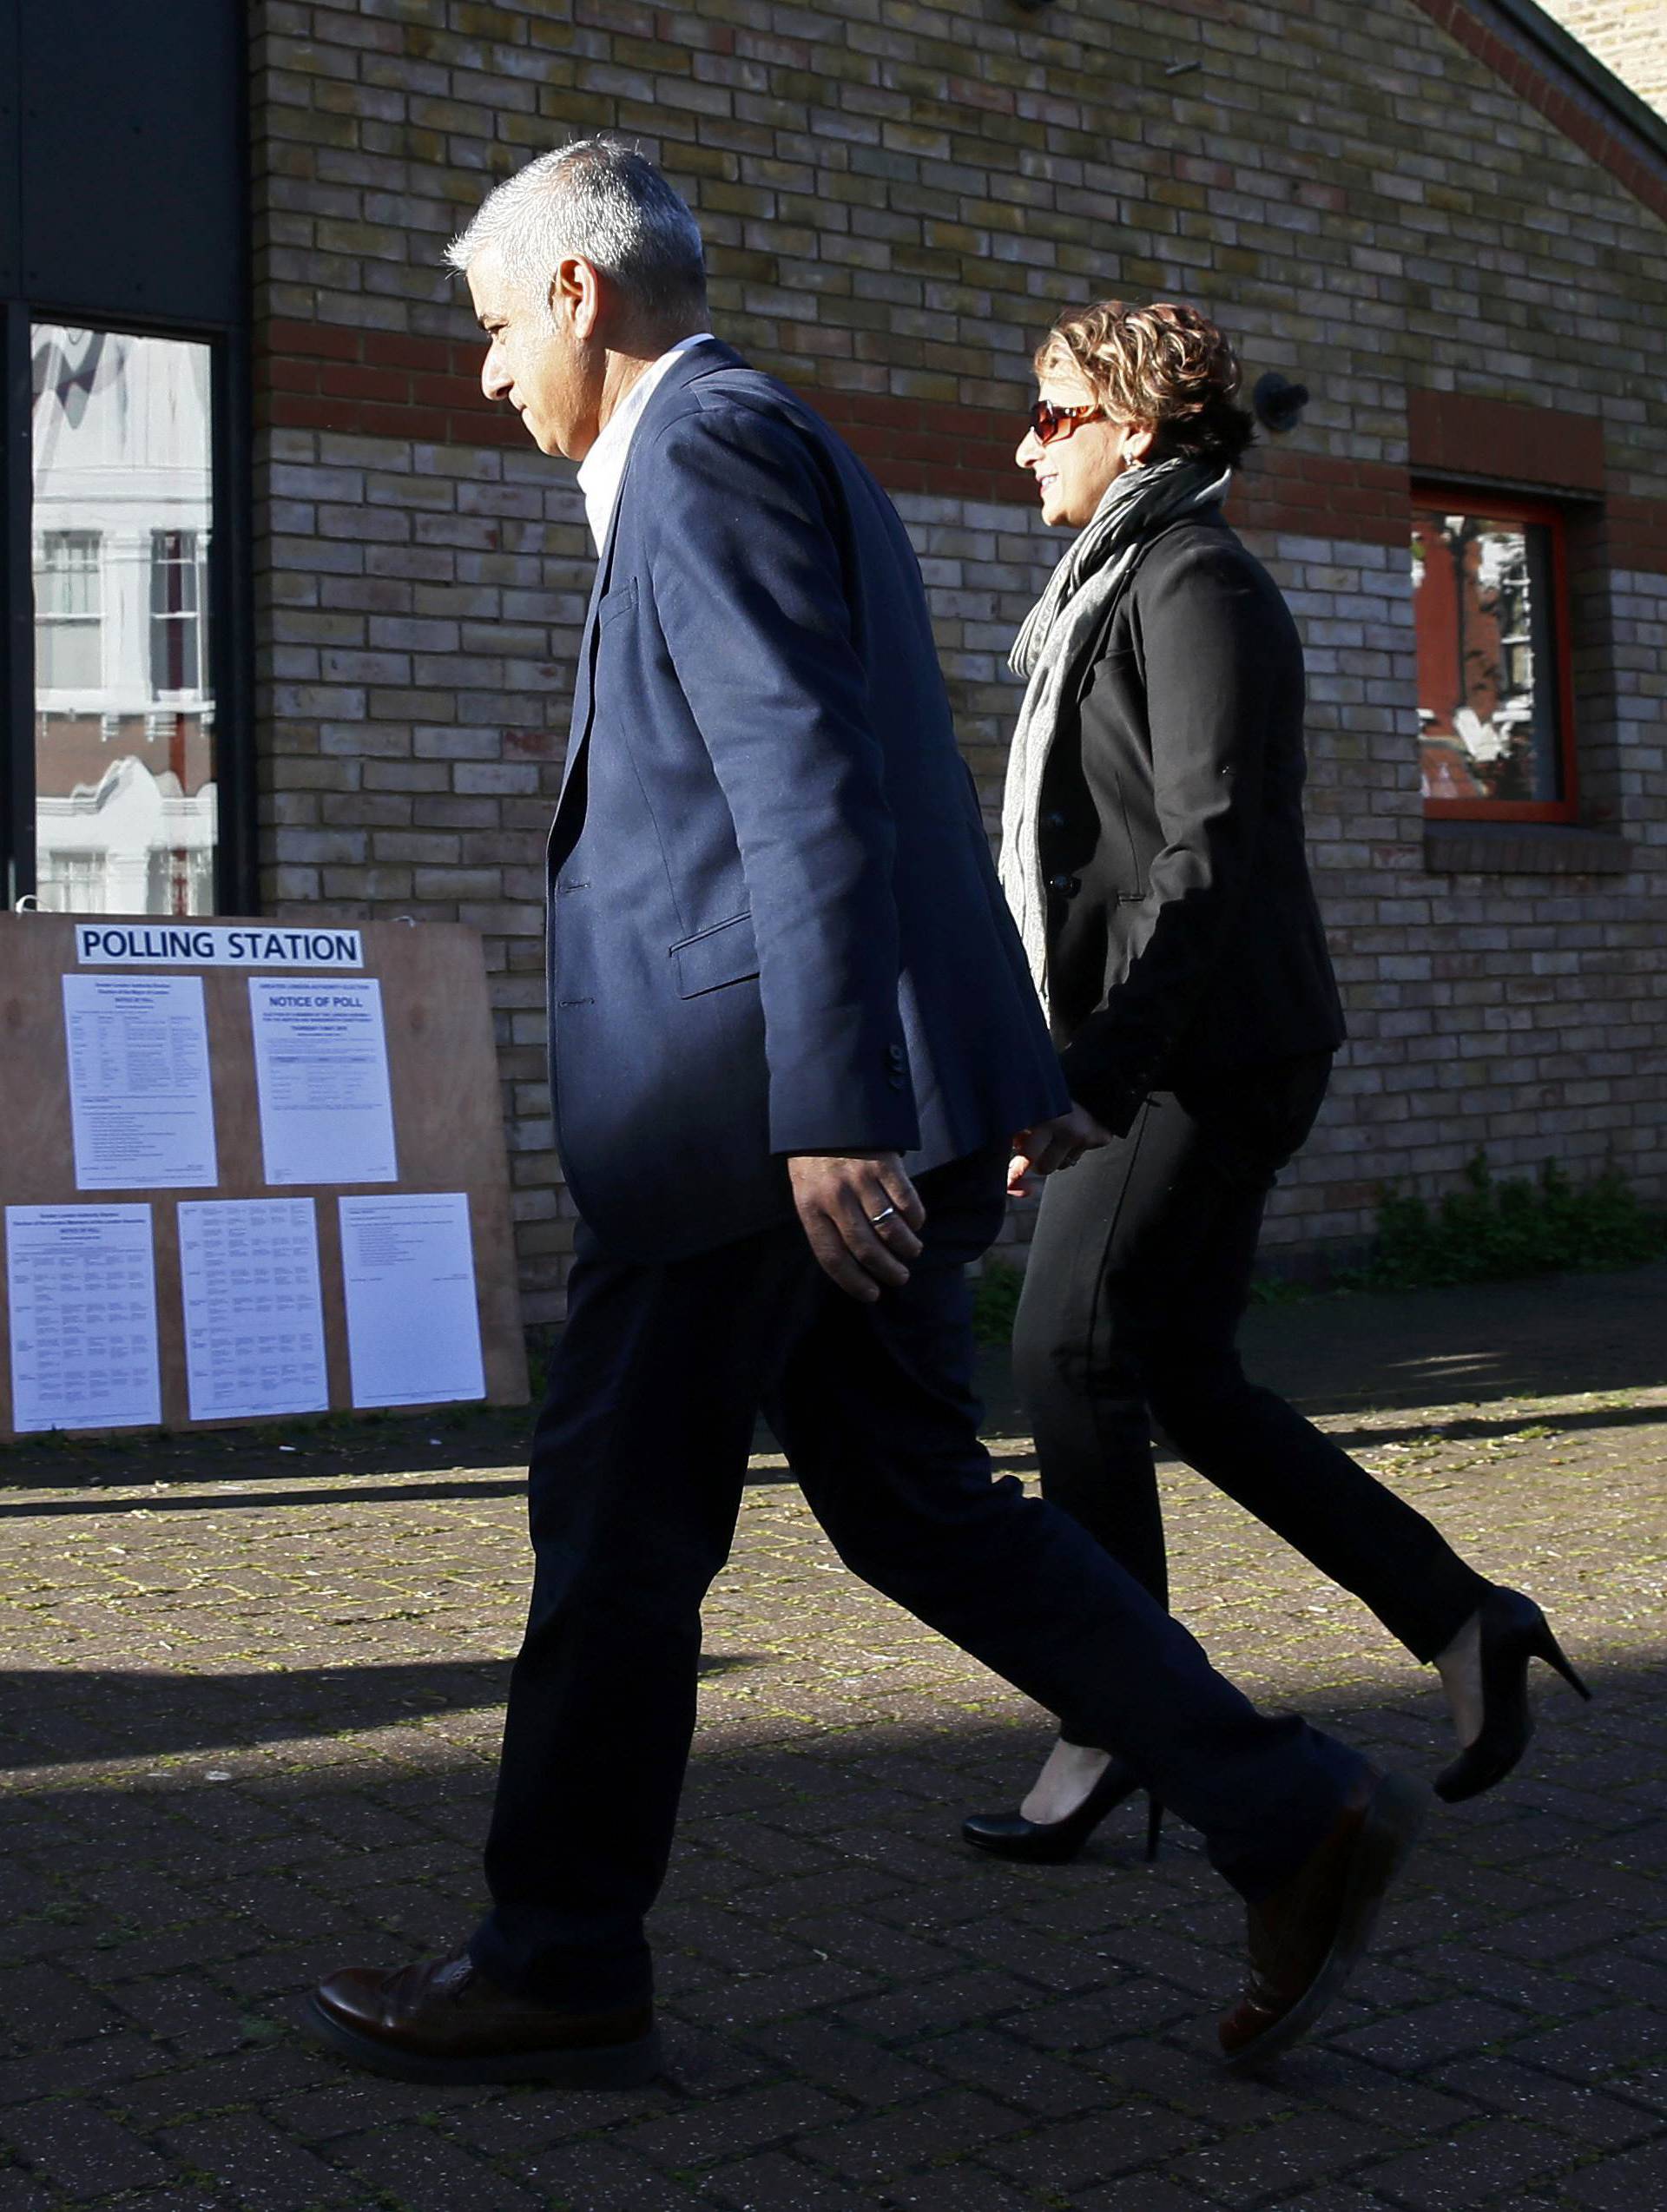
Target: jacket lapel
[700,360]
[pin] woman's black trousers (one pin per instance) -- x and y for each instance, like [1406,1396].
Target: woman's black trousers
[1138,1281]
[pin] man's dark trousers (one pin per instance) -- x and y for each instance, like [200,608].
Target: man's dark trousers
[637,1466]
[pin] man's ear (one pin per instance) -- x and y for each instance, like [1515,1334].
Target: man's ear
[1140,441]
[575,296]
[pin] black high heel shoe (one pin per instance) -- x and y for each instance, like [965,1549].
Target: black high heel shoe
[1513,1631]
[1051,1843]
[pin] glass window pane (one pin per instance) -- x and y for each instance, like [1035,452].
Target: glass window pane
[126,801]
[1487,677]
[175,630]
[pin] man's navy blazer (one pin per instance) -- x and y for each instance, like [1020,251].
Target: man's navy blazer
[774,925]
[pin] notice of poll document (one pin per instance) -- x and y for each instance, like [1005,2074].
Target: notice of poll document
[142,1111]
[413,1325]
[253,1313]
[81,1290]
[321,1064]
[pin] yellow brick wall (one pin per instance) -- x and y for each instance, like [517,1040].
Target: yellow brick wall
[1629,36]
[897,197]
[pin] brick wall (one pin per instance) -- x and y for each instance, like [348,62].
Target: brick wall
[1629,36]
[896,198]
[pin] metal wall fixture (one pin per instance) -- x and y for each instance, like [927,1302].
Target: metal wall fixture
[1279,403]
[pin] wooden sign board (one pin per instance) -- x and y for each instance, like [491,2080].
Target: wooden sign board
[442,1080]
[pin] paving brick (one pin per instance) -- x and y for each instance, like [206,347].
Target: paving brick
[773,2182]
[1071,2154]
[39,2005]
[1147,2193]
[1589,2115]
[426,2173]
[263,2167]
[1636,2181]
[604,2177]
[1008,2069]
[858,2067]
[19,2194]
[938,2126]
[961,2187]
[79,2150]
[1298,2152]
[1416,2040]
[727,2126]
[1476,2165]
[1608,2046]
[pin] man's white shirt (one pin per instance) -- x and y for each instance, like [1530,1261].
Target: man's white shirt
[604,464]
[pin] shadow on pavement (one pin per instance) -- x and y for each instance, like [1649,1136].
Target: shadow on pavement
[1554,1336]
[188,1500]
[450,1441]
[839,1976]
[51,1717]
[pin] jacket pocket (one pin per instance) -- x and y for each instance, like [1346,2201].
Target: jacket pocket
[728,953]
[1122,852]
[613,604]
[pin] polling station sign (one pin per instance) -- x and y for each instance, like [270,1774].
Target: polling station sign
[201,944]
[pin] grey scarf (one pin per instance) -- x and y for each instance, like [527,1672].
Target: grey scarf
[1051,649]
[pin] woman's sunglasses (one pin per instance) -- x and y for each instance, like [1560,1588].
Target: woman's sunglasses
[1049,422]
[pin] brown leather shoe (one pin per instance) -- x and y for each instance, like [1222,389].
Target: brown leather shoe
[442,2021]
[1308,1937]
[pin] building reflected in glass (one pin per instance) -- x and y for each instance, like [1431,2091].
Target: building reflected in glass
[124,711]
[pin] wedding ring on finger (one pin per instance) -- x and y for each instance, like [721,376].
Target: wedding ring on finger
[879,1220]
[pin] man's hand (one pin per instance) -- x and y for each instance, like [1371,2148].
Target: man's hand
[1052,1145]
[861,1214]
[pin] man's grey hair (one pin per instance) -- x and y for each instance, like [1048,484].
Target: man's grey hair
[603,200]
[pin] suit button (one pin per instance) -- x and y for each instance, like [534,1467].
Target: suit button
[1055,820]
[894,1054]
[1067,886]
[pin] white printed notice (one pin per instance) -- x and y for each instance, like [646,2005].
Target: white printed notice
[254,1316]
[321,1063]
[141,1108]
[413,1327]
[82,1295]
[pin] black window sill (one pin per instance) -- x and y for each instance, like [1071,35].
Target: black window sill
[1523,849]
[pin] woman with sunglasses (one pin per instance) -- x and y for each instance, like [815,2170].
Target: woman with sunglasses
[1153,856]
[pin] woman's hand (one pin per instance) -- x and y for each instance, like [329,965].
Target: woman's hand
[1052,1145]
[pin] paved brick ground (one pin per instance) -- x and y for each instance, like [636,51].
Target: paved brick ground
[249,1702]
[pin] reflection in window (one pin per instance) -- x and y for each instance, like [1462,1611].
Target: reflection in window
[68,611]
[126,800]
[177,595]
[1488,682]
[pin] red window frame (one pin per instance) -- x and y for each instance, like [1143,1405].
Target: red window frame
[1476,499]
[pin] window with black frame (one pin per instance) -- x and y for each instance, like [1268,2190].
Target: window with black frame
[125,789]
[127,772]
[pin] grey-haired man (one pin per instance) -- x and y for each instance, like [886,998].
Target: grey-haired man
[794,1045]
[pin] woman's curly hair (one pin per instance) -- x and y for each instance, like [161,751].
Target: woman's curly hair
[1165,364]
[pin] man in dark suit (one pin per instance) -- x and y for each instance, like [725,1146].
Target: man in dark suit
[792,1037]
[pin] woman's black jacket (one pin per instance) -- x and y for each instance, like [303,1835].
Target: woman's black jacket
[1185,941]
